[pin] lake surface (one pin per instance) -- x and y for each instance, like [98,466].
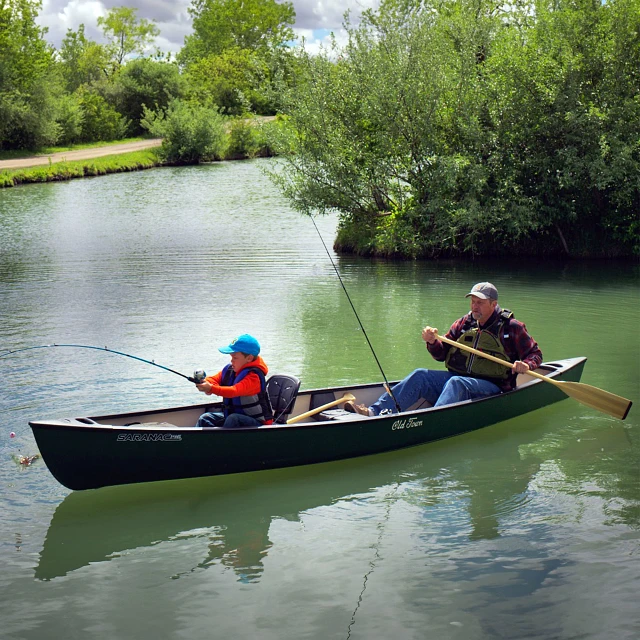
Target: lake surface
[526,529]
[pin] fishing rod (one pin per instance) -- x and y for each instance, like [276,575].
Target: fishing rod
[197,378]
[386,382]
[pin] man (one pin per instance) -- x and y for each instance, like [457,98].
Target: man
[242,386]
[487,328]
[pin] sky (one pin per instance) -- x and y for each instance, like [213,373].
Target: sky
[315,19]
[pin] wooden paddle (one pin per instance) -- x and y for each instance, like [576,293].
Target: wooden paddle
[598,399]
[347,397]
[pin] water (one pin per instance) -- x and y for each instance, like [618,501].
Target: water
[527,529]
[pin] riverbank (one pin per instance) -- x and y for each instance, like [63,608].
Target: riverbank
[134,155]
[91,166]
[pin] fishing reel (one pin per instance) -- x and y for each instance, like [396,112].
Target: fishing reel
[199,376]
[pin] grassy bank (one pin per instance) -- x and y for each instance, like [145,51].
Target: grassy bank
[134,161]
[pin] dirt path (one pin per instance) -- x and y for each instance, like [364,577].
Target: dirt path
[81,154]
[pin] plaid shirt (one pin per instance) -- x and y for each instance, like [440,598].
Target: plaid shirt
[518,346]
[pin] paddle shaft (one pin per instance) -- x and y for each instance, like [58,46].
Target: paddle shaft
[504,363]
[593,397]
[347,397]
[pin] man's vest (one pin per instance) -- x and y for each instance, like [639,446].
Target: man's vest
[488,340]
[257,406]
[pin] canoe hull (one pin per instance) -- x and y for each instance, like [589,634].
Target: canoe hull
[88,455]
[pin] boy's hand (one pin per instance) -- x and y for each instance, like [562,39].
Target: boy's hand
[205,387]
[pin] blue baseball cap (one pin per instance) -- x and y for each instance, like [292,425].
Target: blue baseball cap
[243,344]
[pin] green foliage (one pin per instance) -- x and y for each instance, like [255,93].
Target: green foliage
[191,133]
[82,61]
[237,49]
[144,82]
[29,119]
[100,120]
[89,92]
[27,85]
[222,80]
[221,25]
[229,81]
[24,55]
[568,123]
[469,127]
[128,33]
[247,139]
[70,119]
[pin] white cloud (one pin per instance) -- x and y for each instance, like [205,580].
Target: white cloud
[314,18]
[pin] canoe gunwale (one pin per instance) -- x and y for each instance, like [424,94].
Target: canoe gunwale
[551,370]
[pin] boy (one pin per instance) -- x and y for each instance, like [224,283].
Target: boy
[242,386]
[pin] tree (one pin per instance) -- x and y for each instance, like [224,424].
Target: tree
[128,33]
[82,60]
[70,119]
[28,88]
[144,82]
[100,120]
[253,25]
[237,49]
[470,127]
[228,80]
[564,101]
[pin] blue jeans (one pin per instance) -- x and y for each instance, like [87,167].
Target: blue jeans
[214,419]
[436,387]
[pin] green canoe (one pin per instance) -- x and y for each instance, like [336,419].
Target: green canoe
[163,444]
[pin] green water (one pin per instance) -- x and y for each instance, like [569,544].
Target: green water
[527,529]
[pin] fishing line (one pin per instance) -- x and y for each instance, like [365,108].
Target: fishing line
[390,499]
[197,378]
[387,387]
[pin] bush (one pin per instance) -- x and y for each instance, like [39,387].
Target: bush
[245,139]
[70,119]
[101,120]
[191,133]
[28,120]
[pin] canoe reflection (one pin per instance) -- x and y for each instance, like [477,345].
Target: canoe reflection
[234,513]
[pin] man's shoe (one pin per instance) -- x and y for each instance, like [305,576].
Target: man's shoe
[351,407]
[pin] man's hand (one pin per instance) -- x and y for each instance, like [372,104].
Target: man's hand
[429,335]
[519,367]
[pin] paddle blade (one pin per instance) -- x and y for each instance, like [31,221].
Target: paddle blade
[598,399]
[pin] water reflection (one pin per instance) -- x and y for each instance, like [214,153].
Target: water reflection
[525,529]
[478,482]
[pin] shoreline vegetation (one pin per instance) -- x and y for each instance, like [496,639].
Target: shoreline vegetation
[68,170]
[437,129]
[242,140]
